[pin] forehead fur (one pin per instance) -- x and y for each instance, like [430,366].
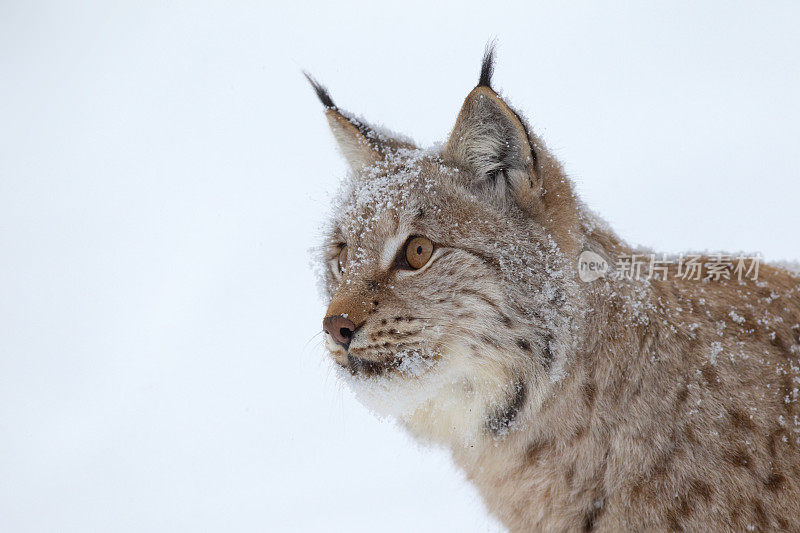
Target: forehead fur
[383,195]
[394,195]
[410,189]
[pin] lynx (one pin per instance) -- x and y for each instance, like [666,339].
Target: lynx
[656,401]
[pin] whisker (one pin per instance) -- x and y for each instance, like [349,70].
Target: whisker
[313,337]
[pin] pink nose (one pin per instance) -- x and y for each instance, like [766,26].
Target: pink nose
[340,329]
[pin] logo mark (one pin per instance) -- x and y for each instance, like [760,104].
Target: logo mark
[591,266]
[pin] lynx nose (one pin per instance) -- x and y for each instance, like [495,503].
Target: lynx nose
[340,328]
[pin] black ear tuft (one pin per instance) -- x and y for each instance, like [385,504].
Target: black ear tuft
[487,67]
[322,92]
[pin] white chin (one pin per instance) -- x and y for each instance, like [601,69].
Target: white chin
[438,400]
[403,390]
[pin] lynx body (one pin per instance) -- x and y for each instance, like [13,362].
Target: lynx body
[620,404]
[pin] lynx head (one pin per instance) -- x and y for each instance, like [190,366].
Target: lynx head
[449,271]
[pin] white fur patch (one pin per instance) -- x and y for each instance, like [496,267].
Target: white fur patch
[391,247]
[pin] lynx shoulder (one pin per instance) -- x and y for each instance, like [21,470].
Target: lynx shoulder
[580,383]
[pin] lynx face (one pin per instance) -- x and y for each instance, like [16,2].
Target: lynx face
[452,304]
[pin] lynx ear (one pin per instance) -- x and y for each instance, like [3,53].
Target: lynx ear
[360,144]
[490,140]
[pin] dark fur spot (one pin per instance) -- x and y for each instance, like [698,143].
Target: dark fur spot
[761,516]
[640,491]
[503,418]
[547,355]
[739,457]
[739,419]
[688,432]
[673,521]
[525,345]
[485,299]
[589,392]
[777,341]
[535,449]
[710,376]
[774,481]
[773,441]
[569,475]
[490,341]
[701,489]
[683,509]
[682,396]
[637,389]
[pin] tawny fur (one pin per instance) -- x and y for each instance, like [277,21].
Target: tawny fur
[615,405]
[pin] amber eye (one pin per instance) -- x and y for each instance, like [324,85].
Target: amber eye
[418,252]
[341,262]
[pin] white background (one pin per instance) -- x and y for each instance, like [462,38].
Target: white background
[164,170]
